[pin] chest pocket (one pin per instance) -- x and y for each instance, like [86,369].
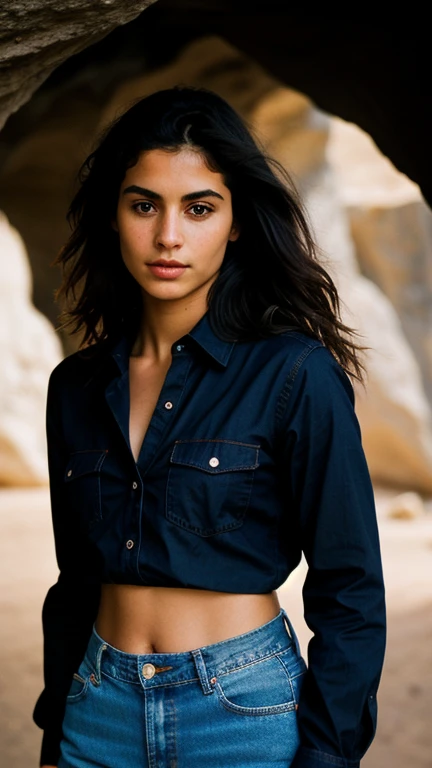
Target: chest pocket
[209,484]
[83,485]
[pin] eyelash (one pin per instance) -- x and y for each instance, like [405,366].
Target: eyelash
[207,209]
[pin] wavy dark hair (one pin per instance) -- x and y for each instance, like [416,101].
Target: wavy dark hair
[270,281]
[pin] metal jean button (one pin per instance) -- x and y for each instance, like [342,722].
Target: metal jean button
[148,671]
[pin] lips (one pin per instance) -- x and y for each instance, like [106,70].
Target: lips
[167,270]
[166,263]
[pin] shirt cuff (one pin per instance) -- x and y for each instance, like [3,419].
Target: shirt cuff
[50,750]
[312,758]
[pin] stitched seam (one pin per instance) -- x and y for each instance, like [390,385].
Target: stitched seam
[204,532]
[268,710]
[290,679]
[294,677]
[218,440]
[283,398]
[150,687]
[252,663]
[214,471]
[77,696]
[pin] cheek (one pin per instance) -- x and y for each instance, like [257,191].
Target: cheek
[212,240]
[133,236]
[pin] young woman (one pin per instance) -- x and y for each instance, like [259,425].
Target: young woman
[200,440]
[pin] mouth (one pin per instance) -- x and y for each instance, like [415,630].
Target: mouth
[166,263]
[167,270]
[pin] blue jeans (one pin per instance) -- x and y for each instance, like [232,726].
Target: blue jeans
[231,704]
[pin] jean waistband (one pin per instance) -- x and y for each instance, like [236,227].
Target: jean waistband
[156,669]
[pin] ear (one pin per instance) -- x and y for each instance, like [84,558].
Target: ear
[114,224]
[235,232]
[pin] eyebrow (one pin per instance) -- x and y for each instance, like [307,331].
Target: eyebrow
[135,190]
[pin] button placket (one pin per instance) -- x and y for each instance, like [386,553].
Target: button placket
[170,396]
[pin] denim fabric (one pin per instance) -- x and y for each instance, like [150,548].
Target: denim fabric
[230,704]
[253,455]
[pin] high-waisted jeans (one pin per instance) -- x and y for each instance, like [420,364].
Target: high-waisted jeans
[230,704]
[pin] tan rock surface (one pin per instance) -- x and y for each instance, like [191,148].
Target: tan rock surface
[29,350]
[395,413]
[36,36]
[391,227]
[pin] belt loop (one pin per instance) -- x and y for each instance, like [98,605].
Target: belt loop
[202,671]
[97,674]
[292,632]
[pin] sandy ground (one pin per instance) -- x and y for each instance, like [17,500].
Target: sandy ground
[27,569]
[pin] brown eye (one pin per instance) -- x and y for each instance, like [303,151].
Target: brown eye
[200,209]
[138,207]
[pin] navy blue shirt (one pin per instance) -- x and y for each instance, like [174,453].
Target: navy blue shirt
[253,455]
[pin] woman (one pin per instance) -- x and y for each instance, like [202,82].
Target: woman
[202,438]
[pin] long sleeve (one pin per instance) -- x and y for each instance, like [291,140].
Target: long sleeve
[71,604]
[330,495]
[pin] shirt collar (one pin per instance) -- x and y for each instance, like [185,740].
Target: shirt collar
[202,335]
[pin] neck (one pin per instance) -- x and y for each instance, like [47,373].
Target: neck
[162,323]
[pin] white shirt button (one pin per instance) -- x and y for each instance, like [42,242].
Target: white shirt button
[129,544]
[69,473]
[168,405]
[214,462]
[134,485]
[179,347]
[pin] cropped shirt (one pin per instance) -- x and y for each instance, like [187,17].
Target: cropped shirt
[253,455]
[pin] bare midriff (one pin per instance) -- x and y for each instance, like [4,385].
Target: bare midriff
[138,619]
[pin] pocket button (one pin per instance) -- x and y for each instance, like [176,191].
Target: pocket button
[214,462]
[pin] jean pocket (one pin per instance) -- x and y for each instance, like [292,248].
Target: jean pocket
[80,682]
[295,668]
[83,485]
[260,688]
[78,688]
[209,484]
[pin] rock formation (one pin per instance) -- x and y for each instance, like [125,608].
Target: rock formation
[29,350]
[38,35]
[394,412]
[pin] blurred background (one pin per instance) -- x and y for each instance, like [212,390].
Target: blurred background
[327,98]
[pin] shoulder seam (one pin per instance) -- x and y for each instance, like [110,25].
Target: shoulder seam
[283,398]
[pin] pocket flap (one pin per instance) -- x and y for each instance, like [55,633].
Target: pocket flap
[215,456]
[84,463]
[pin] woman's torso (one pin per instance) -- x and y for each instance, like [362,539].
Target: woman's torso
[141,619]
[203,505]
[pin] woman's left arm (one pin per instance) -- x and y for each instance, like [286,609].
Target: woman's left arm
[332,503]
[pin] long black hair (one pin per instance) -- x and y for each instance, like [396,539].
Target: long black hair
[270,280]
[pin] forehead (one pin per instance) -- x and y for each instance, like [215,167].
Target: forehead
[181,168]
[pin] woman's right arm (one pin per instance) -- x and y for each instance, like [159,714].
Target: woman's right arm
[71,604]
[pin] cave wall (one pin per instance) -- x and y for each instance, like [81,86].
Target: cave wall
[42,145]
[36,36]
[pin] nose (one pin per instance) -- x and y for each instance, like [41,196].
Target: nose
[169,231]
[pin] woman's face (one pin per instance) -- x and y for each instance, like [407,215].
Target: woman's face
[172,210]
